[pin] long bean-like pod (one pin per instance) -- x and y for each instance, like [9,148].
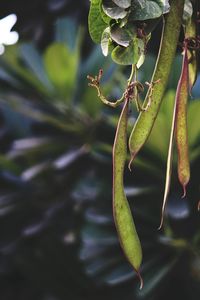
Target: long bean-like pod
[127,233]
[181,124]
[169,163]
[169,41]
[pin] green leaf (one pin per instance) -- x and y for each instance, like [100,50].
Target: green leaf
[33,60]
[112,10]
[162,124]
[126,56]
[146,10]
[166,6]
[61,65]
[123,3]
[90,103]
[11,61]
[188,11]
[105,17]
[106,42]
[141,49]
[122,35]
[95,21]
[193,124]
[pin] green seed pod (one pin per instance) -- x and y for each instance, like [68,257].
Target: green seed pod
[127,233]
[170,36]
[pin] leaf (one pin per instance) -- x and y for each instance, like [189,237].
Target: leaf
[123,3]
[119,275]
[66,32]
[112,10]
[128,55]
[166,6]
[141,49]
[193,124]
[33,59]
[123,35]
[154,278]
[10,60]
[162,124]
[95,21]
[106,42]
[188,11]
[148,10]
[61,65]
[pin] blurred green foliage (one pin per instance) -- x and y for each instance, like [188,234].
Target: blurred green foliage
[57,236]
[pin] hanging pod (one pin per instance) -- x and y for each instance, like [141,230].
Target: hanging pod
[169,41]
[179,129]
[181,124]
[127,233]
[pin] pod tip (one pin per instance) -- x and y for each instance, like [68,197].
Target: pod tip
[141,280]
[161,222]
[162,214]
[184,191]
[131,161]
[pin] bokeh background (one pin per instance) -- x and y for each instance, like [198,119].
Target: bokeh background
[57,237]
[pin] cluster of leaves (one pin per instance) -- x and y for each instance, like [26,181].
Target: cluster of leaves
[123,27]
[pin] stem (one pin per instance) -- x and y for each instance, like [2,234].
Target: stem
[133,74]
[95,82]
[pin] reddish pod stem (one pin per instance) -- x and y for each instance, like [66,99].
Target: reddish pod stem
[179,128]
[181,123]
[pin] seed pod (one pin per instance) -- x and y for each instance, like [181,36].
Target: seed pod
[179,128]
[181,124]
[169,41]
[127,233]
[169,164]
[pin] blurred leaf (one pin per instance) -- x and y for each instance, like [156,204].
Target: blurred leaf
[162,124]
[62,65]
[34,61]
[193,123]
[154,279]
